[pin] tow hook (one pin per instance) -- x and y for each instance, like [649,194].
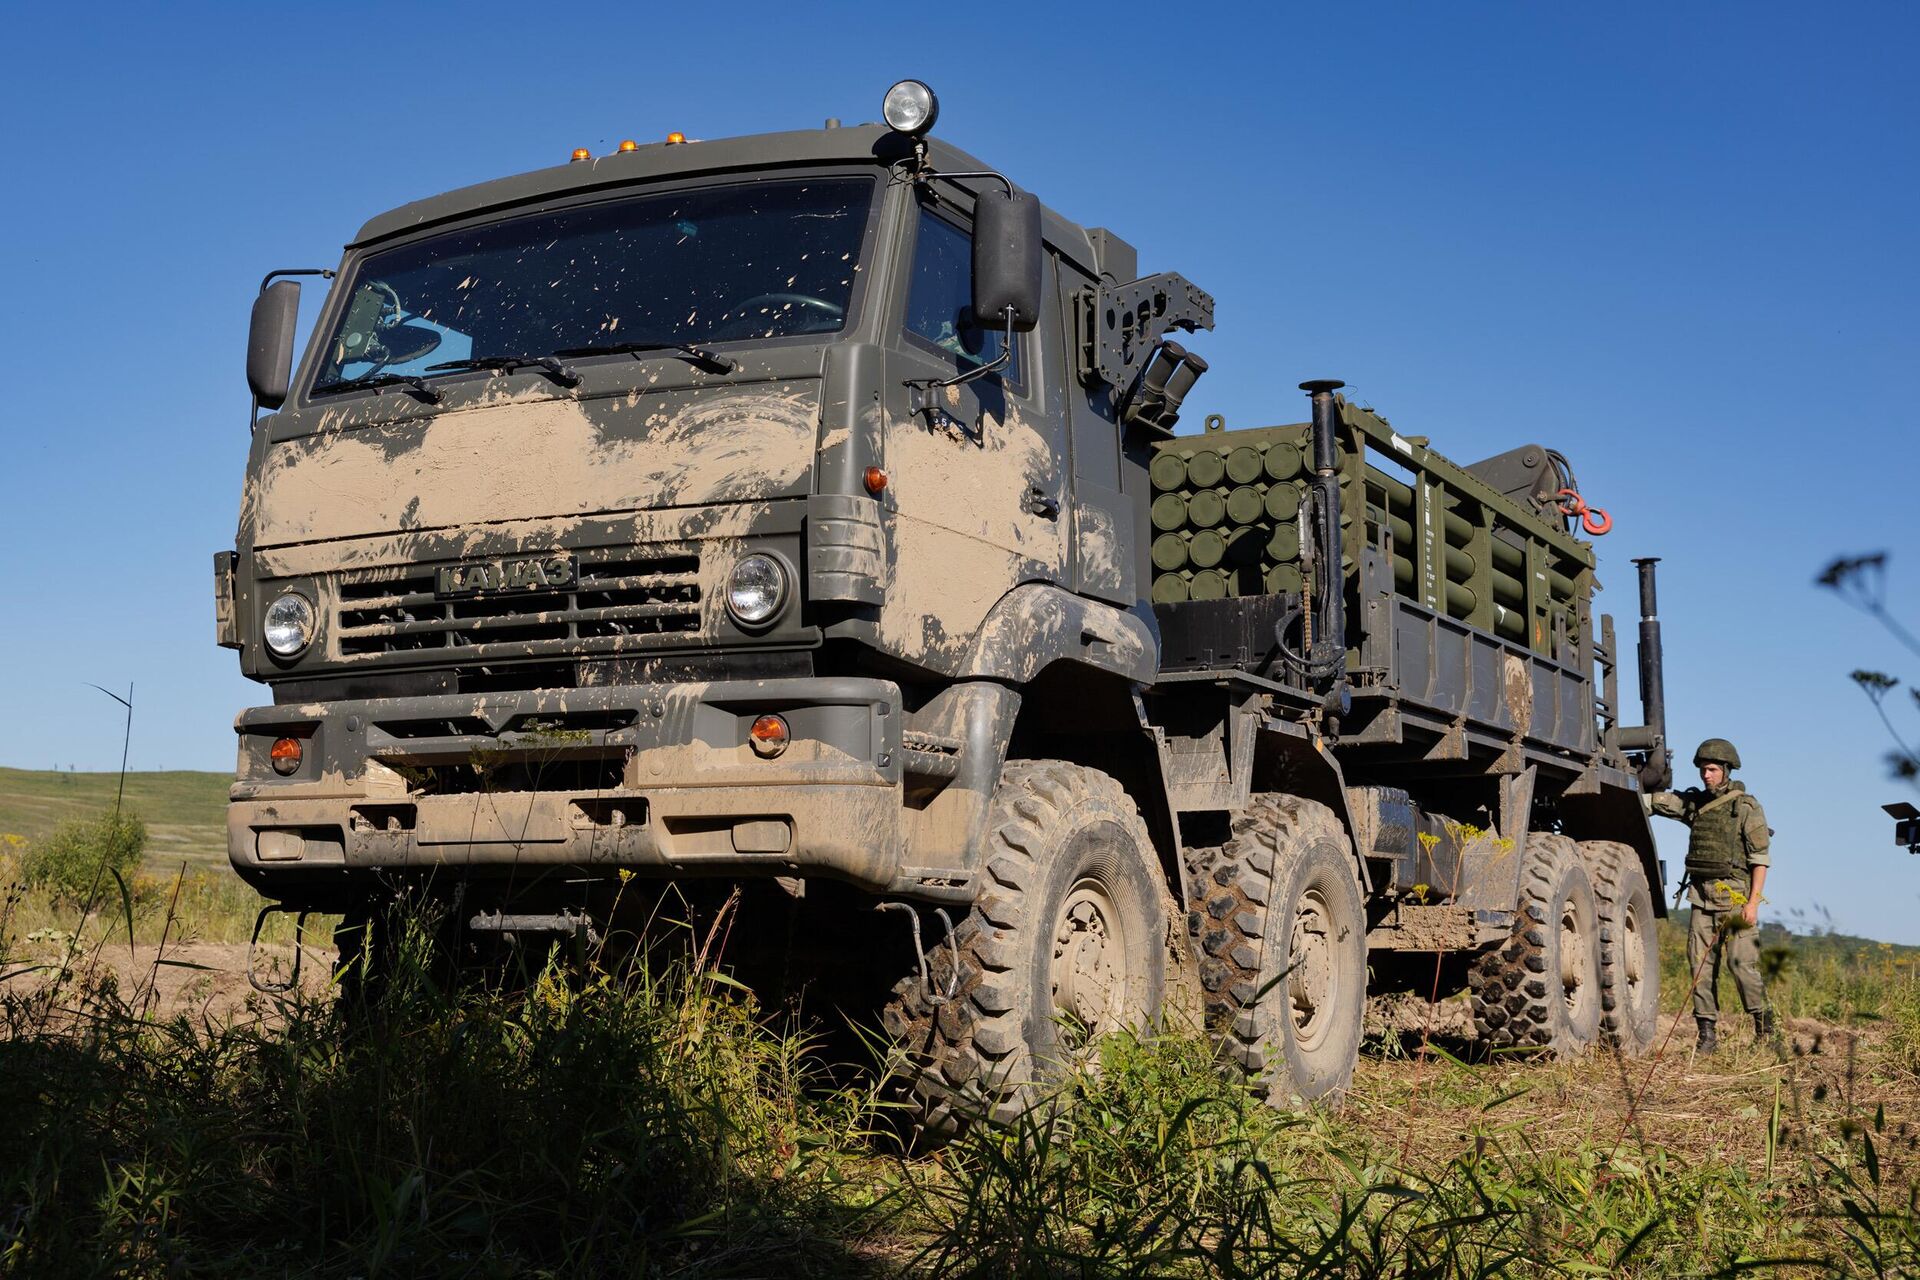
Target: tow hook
[935,998]
[299,949]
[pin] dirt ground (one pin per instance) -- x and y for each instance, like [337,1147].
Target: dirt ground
[199,979]
[1823,1079]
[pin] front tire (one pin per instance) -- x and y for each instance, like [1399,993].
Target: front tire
[1067,942]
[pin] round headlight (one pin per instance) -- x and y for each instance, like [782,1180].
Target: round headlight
[910,107]
[288,627]
[756,589]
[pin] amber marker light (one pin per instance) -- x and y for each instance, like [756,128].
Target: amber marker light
[769,735]
[581,153]
[676,138]
[628,144]
[876,480]
[285,754]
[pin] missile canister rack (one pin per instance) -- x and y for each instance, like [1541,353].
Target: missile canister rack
[1467,610]
[1227,507]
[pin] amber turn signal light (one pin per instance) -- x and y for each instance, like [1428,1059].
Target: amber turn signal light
[581,153]
[876,480]
[769,735]
[628,144]
[675,138]
[285,754]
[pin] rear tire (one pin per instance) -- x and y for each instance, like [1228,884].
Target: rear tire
[1541,988]
[1067,942]
[1282,935]
[1629,947]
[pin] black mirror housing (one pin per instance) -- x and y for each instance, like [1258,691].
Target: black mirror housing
[270,342]
[1006,259]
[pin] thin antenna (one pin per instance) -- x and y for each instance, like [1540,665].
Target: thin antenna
[125,743]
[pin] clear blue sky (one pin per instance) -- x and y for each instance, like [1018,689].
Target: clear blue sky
[1676,241]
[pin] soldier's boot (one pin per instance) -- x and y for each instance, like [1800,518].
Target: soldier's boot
[1708,1041]
[1762,1026]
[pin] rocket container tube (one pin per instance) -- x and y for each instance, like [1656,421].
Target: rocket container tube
[1509,558]
[1168,470]
[1284,544]
[1459,529]
[1208,584]
[1247,544]
[1170,588]
[1207,549]
[1403,574]
[1169,511]
[1563,587]
[1460,599]
[1282,578]
[1459,563]
[1282,460]
[1397,494]
[1245,465]
[1509,624]
[1205,469]
[1283,501]
[1169,552]
[1205,509]
[1245,505]
[1508,590]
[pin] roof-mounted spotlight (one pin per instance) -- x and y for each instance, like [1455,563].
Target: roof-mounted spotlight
[910,108]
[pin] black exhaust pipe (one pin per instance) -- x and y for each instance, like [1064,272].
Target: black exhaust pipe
[1657,771]
[1330,631]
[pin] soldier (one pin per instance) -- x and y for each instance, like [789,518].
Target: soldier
[1726,867]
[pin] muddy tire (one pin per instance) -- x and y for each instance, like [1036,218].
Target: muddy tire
[1282,941]
[1540,989]
[1629,947]
[1067,942]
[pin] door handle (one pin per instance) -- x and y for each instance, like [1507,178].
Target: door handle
[1041,503]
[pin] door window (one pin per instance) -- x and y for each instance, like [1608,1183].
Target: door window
[940,300]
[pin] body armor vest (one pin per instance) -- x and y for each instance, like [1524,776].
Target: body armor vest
[1715,850]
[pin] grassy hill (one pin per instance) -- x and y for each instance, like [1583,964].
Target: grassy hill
[185,812]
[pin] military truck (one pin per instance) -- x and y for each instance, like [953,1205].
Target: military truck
[781,511]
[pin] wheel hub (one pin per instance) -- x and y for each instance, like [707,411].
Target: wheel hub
[1573,950]
[1089,968]
[1313,980]
[1634,968]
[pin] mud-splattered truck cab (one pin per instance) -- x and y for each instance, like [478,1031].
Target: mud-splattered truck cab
[673,510]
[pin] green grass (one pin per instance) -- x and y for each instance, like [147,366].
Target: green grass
[659,1121]
[640,1121]
[185,812]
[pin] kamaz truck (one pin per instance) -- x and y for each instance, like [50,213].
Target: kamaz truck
[806,512]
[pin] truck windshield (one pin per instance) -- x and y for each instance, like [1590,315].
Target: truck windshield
[702,266]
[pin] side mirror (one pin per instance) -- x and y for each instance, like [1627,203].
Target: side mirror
[1006,259]
[270,342]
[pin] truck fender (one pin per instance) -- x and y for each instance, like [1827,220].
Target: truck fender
[1292,758]
[1036,625]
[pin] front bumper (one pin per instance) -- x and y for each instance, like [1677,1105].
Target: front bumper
[652,778]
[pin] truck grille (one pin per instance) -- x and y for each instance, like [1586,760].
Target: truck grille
[640,595]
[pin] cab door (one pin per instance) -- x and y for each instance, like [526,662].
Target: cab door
[1105,538]
[976,468]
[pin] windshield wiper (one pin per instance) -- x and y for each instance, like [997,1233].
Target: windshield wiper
[711,361]
[415,387]
[513,364]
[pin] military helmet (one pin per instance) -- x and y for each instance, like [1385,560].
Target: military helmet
[1716,751]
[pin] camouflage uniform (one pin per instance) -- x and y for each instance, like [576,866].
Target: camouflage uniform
[1729,838]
